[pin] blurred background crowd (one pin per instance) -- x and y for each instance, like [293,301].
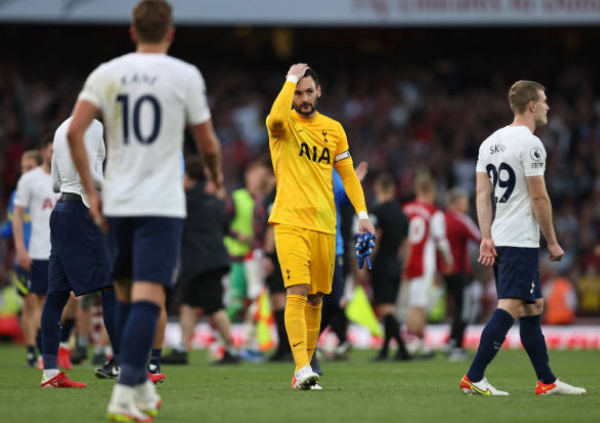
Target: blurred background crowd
[411,101]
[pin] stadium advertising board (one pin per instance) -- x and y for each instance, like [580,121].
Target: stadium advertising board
[331,12]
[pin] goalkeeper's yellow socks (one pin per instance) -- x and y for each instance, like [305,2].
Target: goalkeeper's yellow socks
[312,314]
[295,324]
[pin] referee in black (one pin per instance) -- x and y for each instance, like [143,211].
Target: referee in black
[204,262]
[392,229]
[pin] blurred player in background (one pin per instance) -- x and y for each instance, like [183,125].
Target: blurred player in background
[240,236]
[426,232]
[34,192]
[305,146]
[29,161]
[204,262]
[145,98]
[392,230]
[460,230]
[244,242]
[510,178]
[79,259]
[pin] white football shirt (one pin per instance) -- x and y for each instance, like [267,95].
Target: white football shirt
[65,177]
[146,100]
[34,190]
[508,157]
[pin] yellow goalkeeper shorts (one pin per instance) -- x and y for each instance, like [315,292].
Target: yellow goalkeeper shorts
[306,257]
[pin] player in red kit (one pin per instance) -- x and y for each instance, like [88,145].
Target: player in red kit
[460,230]
[426,233]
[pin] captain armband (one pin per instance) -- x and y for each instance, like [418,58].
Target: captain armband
[342,156]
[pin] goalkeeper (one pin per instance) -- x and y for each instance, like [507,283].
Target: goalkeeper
[305,146]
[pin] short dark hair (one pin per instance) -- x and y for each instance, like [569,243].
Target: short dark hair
[385,182]
[152,19]
[46,139]
[521,93]
[311,72]
[194,168]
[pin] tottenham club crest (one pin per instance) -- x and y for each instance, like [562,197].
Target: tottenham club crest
[537,155]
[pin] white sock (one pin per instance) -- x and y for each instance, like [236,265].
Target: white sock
[181,347]
[64,345]
[50,373]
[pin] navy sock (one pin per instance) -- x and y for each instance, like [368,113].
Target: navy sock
[283,345]
[51,327]
[31,350]
[339,325]
[137,339]
[391,328]
[534,343]
[155,358]
[491,341]
[109,303]
[67,328]
[122,315]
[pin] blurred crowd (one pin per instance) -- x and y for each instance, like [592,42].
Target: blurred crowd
[403,119]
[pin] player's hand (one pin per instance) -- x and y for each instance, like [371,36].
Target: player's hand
[221,194]
[209,187]
[361,170]
[24,260]
[556,252]
[364,226]
[487,252]
[218,180]
[298,70]
[96,211]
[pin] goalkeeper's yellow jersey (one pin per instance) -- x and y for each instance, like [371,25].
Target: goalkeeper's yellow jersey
[304,152]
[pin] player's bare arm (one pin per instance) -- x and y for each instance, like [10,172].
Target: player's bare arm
[209,146]
[542,209]
[487,250]
[83,115]
[361,170]
[22,255]
[281,109]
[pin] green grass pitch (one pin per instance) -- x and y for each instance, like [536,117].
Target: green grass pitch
[354,391]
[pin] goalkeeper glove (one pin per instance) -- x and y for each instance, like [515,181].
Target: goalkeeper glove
[364,247]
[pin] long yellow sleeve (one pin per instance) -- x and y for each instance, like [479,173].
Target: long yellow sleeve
[351,183]
[282,107]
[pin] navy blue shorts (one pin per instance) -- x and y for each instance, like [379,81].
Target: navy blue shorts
[517,274]
[147,248]
[79,255]
[39,277]
[23,281]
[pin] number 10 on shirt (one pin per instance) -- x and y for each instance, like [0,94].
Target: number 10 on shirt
[135,118]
